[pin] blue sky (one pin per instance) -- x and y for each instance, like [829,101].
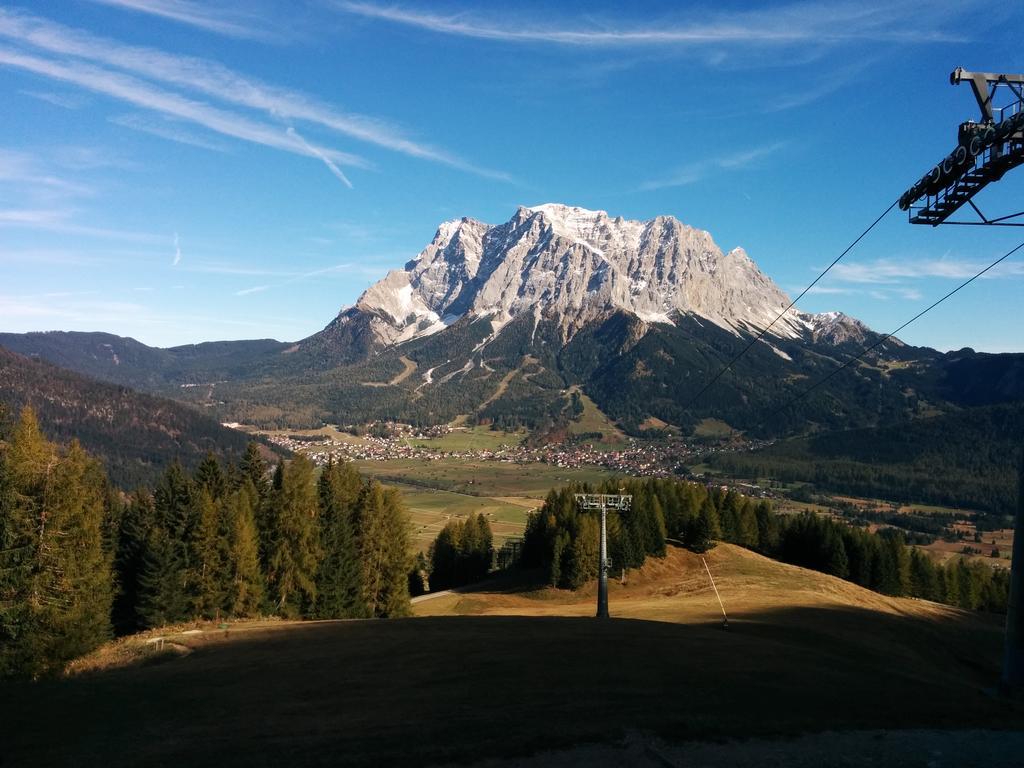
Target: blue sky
[180,172]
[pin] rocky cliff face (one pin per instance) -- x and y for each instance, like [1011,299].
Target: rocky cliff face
[573,266]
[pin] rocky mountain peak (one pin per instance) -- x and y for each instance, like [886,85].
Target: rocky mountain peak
[573,266]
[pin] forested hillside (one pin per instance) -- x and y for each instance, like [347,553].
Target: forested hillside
[962,459]
[79,563]
[135,435]
[123,360]
[517,378]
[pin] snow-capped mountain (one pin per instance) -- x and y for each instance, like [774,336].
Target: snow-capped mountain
[574,266]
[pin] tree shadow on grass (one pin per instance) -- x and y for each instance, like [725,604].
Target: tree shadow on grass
[463,688]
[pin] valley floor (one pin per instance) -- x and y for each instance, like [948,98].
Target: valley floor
[512,670]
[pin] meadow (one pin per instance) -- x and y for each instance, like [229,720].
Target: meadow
[515,667]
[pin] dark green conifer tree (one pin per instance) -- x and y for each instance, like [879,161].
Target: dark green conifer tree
[924,578]
[253,467]
[166,588]
[384,551]
[210,476]
[245,591]
[582,563]
[138,516]
[704,531]
[211,552]
[294,541]
[56,585]
[767,528]
[339,586]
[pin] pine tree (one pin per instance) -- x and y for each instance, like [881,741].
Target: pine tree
[767,528]
[923,576]
[254,468]
[245,590]
[836,562]
[166,586]
[212,571]
[485,551]
[584,553]
[339,585]
[729,516]
[56,584]
[210,476]
[294,539]
[137,517]
[748,534]
[704,530]
[444,558]
[266,512]
[384,548]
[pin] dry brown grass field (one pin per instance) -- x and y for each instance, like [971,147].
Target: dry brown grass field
[512,669]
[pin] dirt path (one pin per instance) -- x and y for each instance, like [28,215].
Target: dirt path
[410,366]
[502,388]
[507,379]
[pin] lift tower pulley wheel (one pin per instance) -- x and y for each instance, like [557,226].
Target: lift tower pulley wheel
[985,151]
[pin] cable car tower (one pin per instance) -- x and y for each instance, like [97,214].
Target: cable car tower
[985,151]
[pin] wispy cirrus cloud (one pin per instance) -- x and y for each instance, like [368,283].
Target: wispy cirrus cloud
[212,18]
[61,220]
[163,128]
[35,179]
[817,24]
[693,172]
[882,294]
[216,81]
[62,100]
[296,277]
[31,217]
[135,91]
[888,279]
[890,271]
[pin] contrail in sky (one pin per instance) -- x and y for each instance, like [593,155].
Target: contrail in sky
[327,161]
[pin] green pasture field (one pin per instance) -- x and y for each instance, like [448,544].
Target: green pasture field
[481,478]
[594,420]
[471,439]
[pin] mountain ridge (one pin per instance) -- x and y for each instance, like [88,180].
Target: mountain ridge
[497,323]
[135,434]
[579,266]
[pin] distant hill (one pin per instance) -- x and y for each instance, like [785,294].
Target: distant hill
[123,360]
[965,459]
[136,435]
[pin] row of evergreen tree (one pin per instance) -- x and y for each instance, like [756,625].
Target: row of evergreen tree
[235,543]
[462,553]
[564,542]
[79,562]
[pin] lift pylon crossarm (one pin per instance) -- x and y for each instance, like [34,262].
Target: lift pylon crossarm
[985,151]
[984,85]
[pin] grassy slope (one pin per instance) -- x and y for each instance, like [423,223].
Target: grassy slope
[805,652]
[436,491]
[593,420]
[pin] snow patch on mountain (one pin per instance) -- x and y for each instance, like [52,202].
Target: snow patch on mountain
[575,266]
